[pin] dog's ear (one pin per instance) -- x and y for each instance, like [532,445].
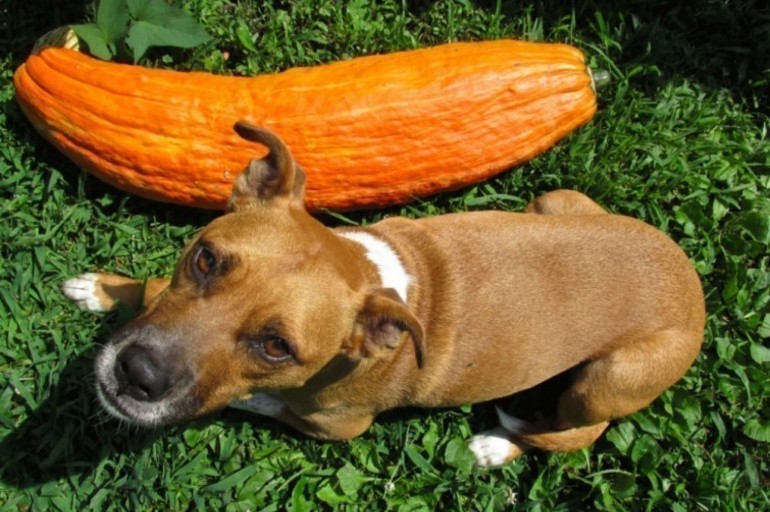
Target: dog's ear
[382,324]
[276,177]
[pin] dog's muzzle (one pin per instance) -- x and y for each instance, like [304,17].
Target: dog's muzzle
[140,374]
[141,379]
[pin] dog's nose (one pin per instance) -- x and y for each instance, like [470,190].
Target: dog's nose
[139,376]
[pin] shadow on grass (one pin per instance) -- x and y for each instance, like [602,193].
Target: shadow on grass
[70,436]
[67,434]
[714,43]
[24,21]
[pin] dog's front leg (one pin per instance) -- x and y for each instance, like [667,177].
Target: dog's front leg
[322,425]
[103,292]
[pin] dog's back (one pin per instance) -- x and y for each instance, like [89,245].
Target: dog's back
[530,296]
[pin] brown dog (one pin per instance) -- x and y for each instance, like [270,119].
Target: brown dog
[323,329]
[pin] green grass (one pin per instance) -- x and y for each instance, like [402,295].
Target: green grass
[680,140]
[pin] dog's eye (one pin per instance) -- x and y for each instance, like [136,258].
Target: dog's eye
[275,349]
[204,261]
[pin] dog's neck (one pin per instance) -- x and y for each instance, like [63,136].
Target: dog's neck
[388,264]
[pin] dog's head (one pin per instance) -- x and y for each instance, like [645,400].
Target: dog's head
[263,299]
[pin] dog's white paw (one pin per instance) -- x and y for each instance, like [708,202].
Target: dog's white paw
[493,448]
[260,403]
[82,290]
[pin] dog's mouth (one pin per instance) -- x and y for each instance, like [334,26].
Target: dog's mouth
[116,407]
[136,385]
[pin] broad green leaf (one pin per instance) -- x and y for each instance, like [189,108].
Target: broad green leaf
[689,407]
[719,210]
[64,502]
[233,480]
[759,353]
[112,18]
[647,423]
[623,484]
[243,33]
[156,23]
[719,424]
[418,459]
[694,212]
[415,504]
[367,455]
[327,494]
[751,469]
[160,13]
[350,479]
[142,35]
[458,455]
[757,223]
[622,436]
[299,503]
[138,8]
[430,439]
[764,329]
[757,430]
[93,36]
[643,446]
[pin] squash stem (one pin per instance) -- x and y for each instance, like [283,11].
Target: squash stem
[599,78]
[62,37]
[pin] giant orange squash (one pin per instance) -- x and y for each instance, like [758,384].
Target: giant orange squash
[369,131]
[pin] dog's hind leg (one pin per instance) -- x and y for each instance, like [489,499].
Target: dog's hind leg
[502,445]
[103,292]
[612,386]
[563,202]
[628,378]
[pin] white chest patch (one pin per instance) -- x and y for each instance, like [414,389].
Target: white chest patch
[391,270]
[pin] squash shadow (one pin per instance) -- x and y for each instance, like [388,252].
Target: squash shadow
[715,44]
[24,21]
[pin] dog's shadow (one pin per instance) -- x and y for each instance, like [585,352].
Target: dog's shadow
[66,434]
[69,434]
